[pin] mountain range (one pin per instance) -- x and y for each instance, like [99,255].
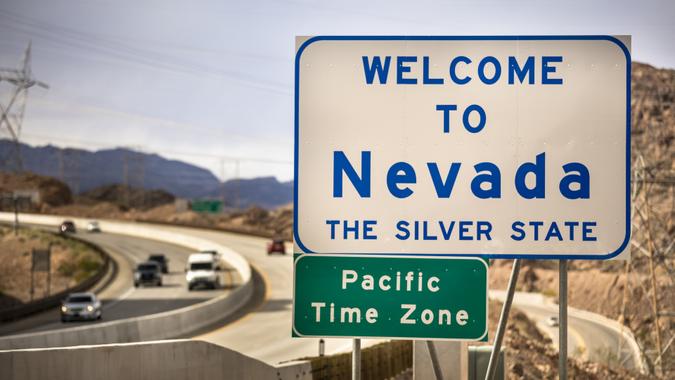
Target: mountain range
[84,170]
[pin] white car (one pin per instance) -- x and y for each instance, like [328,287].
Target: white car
[217,257]
[93,226]
[84,306]
[202,271]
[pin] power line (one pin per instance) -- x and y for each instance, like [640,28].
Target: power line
[129,53]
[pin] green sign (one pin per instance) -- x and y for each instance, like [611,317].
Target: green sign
[390,297]
[211,206]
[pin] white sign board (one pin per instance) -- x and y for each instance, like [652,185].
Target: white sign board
[498,146]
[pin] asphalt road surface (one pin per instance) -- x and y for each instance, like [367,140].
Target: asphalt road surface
[587,339]
[265,333]
[119,298]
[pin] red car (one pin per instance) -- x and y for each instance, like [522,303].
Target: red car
[276,246]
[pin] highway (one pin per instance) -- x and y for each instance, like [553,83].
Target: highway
[589,336]
[264,330]
[265,333]
[119,298]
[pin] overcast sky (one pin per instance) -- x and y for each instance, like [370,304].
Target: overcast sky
[199,80]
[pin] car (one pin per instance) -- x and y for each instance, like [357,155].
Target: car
[160,259]
[201,271]
[67,226]
[276,246]
[93,226]
[217,258]
[552,321]
[148,272]
[80,306]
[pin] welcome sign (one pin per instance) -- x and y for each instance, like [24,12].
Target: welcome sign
[495,146]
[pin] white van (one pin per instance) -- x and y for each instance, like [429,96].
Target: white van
[202,270]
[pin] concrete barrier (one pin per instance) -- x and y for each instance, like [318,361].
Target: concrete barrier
[166,325]
[166,360]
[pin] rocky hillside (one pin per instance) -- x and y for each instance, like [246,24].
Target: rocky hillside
[84,170]
[52,192]
[126,197]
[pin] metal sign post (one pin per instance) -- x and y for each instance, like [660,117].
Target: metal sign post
[438,374]
[562,320]
[356,360]
[503,318]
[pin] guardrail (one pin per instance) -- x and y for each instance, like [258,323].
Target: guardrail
[20,311]
[166,325]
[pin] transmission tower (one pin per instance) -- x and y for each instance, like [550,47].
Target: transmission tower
[133,174]
[11,113]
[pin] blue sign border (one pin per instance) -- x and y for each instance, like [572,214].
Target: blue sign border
[616,41]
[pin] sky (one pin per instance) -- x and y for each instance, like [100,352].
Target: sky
[211,82]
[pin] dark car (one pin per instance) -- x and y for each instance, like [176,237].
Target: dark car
[67,226]
[162,260]
[148,272]
[276,246]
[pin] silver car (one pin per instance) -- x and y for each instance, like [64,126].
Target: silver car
[93,226]
[80,306]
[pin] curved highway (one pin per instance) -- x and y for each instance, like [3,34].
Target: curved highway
[589,337]
[263,329]
[119,298]
[265,333]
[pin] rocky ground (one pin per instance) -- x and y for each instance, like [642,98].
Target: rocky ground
[71,263]
[531,355]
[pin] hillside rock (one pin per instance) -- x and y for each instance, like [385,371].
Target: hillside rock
[126,197]
[85,170]
[52,191]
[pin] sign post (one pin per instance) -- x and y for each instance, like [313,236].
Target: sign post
[437,147]
[503,318]
[562,320]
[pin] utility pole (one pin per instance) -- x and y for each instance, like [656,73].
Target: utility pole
[125,177]
[21,79]
[62,169]
[75,159]
[222,180]
[236,184]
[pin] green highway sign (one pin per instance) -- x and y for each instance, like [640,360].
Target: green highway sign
[207,205]
[390,297]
